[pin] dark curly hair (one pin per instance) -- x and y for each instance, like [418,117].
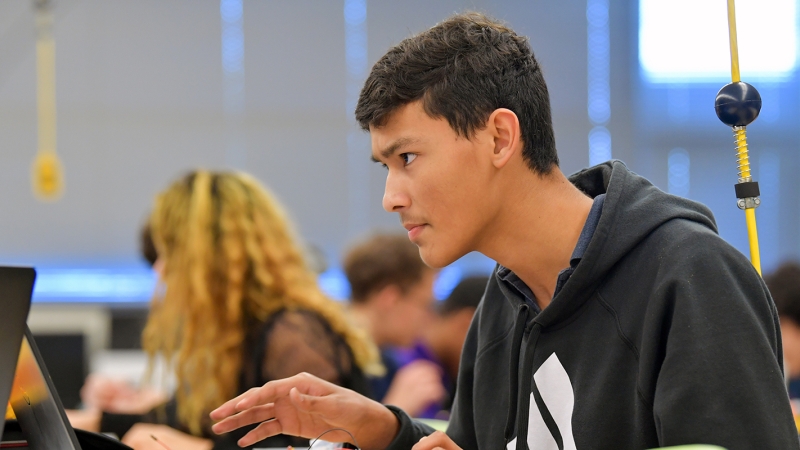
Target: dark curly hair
[463,69]
[784,285]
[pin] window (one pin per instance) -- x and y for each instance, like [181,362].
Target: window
[683,41]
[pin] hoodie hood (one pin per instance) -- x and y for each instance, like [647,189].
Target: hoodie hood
[633,209]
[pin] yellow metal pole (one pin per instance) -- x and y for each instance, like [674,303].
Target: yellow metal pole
[734,43]
[742,154]
[752,236]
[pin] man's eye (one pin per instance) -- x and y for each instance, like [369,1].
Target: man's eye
[408,158]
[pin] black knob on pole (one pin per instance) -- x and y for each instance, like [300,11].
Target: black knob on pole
[737,104]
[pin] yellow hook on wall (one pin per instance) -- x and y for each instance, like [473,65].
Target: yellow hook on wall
[47,176]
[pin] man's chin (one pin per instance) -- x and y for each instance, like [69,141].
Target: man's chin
[436,258]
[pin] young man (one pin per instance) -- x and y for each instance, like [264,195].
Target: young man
[616,317]
[392,298]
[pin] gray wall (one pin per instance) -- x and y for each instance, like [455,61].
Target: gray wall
[140,100]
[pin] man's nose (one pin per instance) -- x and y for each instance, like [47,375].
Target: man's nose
[394,196]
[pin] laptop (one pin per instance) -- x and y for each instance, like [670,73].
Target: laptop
[41,423]
[24,381]
[35,403]
[16,287]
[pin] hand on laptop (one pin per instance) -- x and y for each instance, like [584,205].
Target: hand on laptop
[307,406]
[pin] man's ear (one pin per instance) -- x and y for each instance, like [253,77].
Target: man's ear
[503,125]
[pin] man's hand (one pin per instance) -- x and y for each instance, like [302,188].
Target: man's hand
[436,441]
[306,406]
[415,387]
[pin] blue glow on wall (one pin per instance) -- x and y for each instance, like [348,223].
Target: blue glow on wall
[358,176]
[232,22]
[333,282]
[598,79]
[687,40]
[94,285]
[136,284]
[678,172]
[768,214]
[132,285]
[446,281]
[599,145]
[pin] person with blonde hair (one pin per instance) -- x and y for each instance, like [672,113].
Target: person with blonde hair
[237,307]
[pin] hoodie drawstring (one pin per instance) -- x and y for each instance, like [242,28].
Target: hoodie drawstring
[523,409]
[513,385]
[518,412]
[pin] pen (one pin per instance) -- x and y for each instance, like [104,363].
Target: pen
[160,443]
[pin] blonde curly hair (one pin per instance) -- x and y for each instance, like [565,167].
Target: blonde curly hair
[229,257]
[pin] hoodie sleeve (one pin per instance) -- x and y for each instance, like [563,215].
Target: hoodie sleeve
[717,339]
[410,431]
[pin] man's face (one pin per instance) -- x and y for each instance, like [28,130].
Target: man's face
[439,183]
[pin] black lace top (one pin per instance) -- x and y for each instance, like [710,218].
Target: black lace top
[290,342]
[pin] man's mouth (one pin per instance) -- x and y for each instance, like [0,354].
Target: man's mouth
[414,229]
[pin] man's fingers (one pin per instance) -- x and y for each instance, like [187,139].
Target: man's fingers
[253,397]
[267,393]
[437,440]
[261,432]
[229,408]
[252,415]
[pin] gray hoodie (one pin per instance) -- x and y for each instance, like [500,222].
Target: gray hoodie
[663,335]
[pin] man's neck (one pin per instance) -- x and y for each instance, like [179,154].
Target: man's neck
[537,230]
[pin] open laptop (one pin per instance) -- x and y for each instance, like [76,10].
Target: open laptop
[36,404]
[16,287]
[24,381]
[41,423]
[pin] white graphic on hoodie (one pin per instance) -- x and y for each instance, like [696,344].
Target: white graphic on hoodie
[556,390]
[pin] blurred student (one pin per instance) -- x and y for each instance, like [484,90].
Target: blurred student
[238,307]
[784,285]
[392,297]
[443,341]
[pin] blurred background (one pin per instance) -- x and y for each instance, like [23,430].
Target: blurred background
[147,90]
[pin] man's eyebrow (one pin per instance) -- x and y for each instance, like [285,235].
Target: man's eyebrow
[394,147]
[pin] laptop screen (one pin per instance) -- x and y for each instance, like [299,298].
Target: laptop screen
[16,287]
[36,405]
[24,381]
